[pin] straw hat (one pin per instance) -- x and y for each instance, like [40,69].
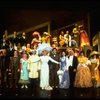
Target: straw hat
[94,53]
[80,26]
[46,33]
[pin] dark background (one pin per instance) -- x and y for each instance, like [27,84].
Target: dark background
[19,15]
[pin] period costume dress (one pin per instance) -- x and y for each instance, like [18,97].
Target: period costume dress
[94,68]
[95,71]
[83,75]
[24,75]
[46,37]
[65,76]
[61,40]
[44,75]
[36,39]
[44,69]
[84,40]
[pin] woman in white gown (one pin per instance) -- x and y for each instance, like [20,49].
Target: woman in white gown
[44,74]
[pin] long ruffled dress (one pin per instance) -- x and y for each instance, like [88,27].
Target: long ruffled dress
[83,74]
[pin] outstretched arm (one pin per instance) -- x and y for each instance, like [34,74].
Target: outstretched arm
[36,60]
[54,61]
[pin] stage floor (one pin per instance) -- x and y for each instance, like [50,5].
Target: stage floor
[55,93]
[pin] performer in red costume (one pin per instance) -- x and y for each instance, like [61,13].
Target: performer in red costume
[37,39]
[84,40]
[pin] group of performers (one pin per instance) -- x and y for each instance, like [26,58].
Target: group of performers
[38,62]
[77,38]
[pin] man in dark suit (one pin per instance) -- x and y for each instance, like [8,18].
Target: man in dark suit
[15,39]
[23,39]
[72,67]
[54,81]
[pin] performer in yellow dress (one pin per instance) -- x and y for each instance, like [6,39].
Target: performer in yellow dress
[83,74]
[46,37]
[62,39]
[95,69]
[28,48]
